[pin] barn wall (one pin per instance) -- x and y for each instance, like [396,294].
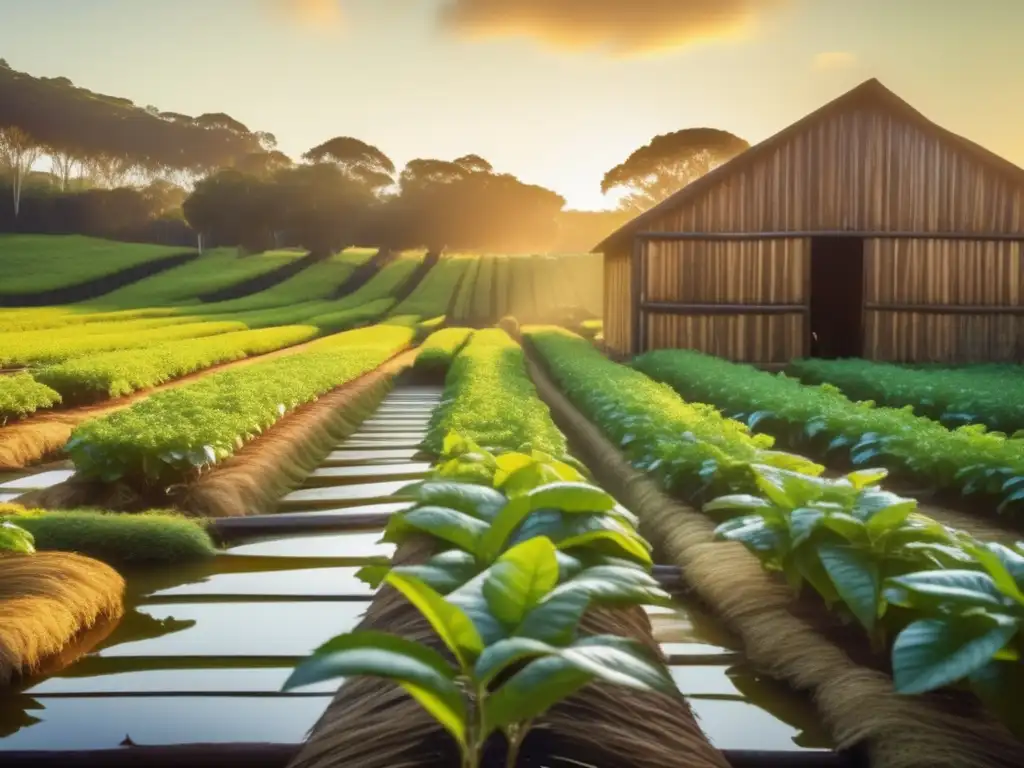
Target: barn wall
[618,317]
[934,272]
[752,272]
[860,170]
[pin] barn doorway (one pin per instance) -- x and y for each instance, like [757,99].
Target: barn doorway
[837,296]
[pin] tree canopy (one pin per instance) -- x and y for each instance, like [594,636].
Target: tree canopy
[358,160]
[668,163]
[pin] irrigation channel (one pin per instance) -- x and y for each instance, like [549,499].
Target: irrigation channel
[192,674]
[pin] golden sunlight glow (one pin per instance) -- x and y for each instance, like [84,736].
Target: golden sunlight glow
[623,27]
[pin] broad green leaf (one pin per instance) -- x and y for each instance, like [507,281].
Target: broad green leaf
[620,542]
[959,589]
[420,671]
[1003,565]
[555,619]
[881,510]
[752,532]
[508,463]
[533,691]
[791,462]
[737,502]
[525,479]
[849,527]
[802,523]
[449,525]
[476,500]
[504,653]
[520,579]
[856,579]
[571,497]
[454,444]
[864,478]
[443,572]
[494,538]
[931,653]
[568,566]
[546,681]
[452,625]
[609,593]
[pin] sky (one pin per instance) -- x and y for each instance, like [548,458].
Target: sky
[555,91]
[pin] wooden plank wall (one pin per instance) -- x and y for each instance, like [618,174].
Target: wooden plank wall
[751,272]
[863,170]
[618,314]
[944,273]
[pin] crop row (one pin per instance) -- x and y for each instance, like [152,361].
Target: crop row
[955,606]
[21,395]
[48,347]
[821,421]
[433,296]
[490,399]
[177,433]
[522,553]
[441,347]
[113,374]
[992,395]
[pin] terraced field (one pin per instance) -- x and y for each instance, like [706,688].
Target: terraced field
[533,555]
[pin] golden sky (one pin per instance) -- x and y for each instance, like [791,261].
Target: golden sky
[554,91]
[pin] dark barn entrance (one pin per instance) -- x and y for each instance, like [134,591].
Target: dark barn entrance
[837,297]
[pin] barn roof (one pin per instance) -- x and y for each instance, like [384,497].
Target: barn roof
[870,93]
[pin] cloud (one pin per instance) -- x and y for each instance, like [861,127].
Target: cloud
[832,60]
[622,27]
[315,14]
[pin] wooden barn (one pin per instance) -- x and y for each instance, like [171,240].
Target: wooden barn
[863,230]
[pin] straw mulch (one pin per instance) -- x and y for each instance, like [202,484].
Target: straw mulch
[857,704]
[48,602]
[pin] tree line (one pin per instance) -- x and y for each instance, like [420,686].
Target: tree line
[120,170]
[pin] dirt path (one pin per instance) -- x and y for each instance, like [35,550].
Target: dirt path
[30,440]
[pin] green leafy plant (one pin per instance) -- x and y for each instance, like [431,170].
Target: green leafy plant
[15,539]
[21,395]
[441,347]
[823,422]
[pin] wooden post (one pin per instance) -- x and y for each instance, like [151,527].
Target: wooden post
[637,296]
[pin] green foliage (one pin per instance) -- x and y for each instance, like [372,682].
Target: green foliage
[490,399]
[39,347]
[34,263]
[179,432]
[992,395]
[113,374]
[690,447]
[462,309]
[506,598]
[441,347]
[821,421]
[21,395]
[151,538]
[15,539]
[346,319]
[214,270]
[954,605]
[433,295]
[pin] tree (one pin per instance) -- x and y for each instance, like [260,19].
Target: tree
[670,162]
[474,164]
[358,160]
[263,163]
[18,152]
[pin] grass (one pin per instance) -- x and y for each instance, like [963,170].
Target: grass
[150,538]
[178,433]
[34,263]
[21,395]
[118,373]
[214,270]
[433,295]
[489,398]
[48,599]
